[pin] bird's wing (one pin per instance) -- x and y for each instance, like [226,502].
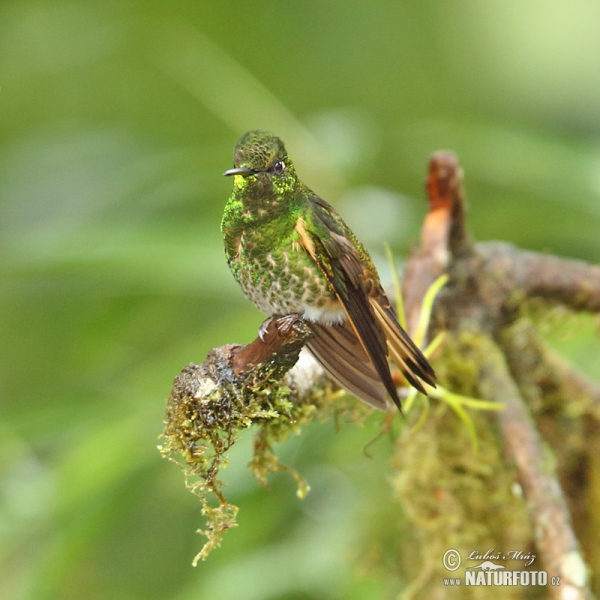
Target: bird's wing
[340,351]
[355,282]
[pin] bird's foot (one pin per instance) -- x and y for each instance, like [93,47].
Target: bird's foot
[282,324]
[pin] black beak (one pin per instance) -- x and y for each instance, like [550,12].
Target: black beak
[243,171]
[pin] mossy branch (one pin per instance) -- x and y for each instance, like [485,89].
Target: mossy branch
[489,289]
[263,384]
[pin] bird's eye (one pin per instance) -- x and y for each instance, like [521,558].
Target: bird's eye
[279,167]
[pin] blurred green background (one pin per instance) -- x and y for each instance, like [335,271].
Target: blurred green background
[117,120]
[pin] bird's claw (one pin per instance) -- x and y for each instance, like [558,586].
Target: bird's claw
[264,328]
[285,323]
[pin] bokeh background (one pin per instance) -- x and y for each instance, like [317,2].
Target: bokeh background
[117,119]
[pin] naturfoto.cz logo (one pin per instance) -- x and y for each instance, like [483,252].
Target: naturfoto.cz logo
[489,572]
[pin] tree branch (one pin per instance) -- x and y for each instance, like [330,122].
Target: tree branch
[487,285]
[573,283]
[548,513]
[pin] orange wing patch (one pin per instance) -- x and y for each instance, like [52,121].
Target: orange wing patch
[305,238]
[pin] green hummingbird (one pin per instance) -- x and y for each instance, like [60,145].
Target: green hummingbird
[293,254]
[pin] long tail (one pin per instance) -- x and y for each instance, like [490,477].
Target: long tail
[339,349]
[403,351]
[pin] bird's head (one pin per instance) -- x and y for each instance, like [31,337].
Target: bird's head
[261,163]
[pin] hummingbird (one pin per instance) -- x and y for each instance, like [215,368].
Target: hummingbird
[292,253]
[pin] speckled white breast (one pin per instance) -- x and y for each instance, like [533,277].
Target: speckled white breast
[285,282]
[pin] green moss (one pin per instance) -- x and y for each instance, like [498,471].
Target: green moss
[455,498]
[205,417]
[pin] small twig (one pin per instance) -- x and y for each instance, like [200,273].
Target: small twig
[443,233]
[571,282]
[574,283]
[446,202]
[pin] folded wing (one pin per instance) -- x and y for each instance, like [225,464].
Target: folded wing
[356,352]
[338,349]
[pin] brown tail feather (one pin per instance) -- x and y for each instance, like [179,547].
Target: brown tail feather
[339,350]
[404,352]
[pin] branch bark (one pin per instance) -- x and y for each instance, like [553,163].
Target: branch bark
[545,501]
